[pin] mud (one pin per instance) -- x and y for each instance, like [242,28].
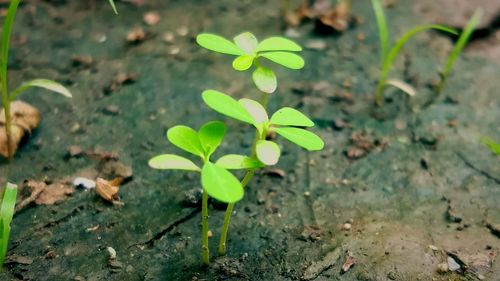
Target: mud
[396,198]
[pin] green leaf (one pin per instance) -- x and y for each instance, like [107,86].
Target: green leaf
[268,152]
[6,213]
[247,42]
[6,31]
[218,44]
[265,79]
[460,45]
[256,110]
[243,63]
[236,162]
[187,139]
[226,105]
[383,30]
[288,116]
[278,44]
[211,135]
[220,184]
[112,3]
[172,162]
[286,59]
[491,144]
[42,83]
[301,137]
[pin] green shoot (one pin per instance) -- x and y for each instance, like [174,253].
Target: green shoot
[387,57]
[8,202]
[457,50]
[491,144]
[8,97]
[216,179]
[112,3]
[249,51]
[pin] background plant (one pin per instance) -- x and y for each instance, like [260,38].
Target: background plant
[7,203]
[459,46]
[388,56]
[216,180]
[8,97]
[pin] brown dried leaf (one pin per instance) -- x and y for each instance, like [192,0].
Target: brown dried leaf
[108,190]
[23,115]
[54,193]
[136,35]
[17,134]
[349,262]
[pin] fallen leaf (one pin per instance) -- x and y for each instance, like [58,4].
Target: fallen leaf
[54,193]
[349,262]
[108,190]
[136,35]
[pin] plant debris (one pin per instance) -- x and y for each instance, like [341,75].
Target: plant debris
[136,35]
[119,80]
[362,143]
[108,190]
[327,19]
[24,118]
[349,262]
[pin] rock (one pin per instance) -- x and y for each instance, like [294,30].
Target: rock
[452,264]
[75,151]
[442,268]
[84,183]
[136,35]
[111,110]
[316,268]
[151,18]
[192,197]
[318,45]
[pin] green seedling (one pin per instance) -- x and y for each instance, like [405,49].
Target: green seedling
[250,52]
[388,56]
[491,144]
[112,3]
[8,97]
[457,50]
[216,179]
[7,203]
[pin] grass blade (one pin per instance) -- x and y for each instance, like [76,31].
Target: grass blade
[112,3]
[457,50]
[41,83]
[393,53]
[383,30]
[6,214]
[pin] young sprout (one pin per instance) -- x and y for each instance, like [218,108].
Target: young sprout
[7,203]
[388,56]
[287,122]
[250,52]
[8,97]
[112,3]
[457,50]
[491,144]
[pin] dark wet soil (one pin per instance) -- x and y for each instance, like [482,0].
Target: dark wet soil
[425,191]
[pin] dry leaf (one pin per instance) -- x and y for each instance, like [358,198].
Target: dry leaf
[17,134]
[108,190]
[23,115]
[54,193]
[349,262]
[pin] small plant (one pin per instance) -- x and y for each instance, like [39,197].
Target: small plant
[457,50]
[216,180]
[7,203]
[8,97]
[387,56]
[491,144]
[112,3]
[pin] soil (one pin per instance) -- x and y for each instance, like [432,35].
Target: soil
[421,191]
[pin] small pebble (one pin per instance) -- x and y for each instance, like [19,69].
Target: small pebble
[112,253]
[84,183]
[442,268]
[210,234]
[452,264]
[151,18]
[346,226]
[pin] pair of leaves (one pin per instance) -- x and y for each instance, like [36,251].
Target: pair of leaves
[8,203]
[249,111]
[246,46]
[202,143]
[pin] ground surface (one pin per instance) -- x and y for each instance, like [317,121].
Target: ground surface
[396,198]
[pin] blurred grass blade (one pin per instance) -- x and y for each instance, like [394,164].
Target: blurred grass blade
[459,46]
[112,3]
[403,86]
[41,83]
[491,144]
[383,30]
[6,30]
[6,213]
